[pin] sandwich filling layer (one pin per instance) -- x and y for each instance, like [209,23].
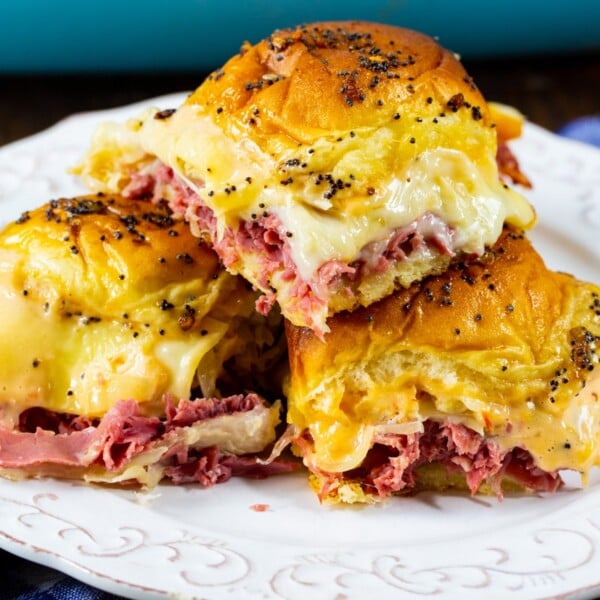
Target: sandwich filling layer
[326,226]
[205,441]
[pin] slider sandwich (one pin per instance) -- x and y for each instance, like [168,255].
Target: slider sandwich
[329,164]
[485,377]
[127,350]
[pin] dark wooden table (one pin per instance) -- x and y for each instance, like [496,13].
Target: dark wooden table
[549,90]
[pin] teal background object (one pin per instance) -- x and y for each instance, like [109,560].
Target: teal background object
[183,35]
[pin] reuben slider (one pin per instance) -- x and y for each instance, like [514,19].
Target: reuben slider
[485,377]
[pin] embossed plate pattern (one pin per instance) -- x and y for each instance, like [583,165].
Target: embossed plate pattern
[190,543]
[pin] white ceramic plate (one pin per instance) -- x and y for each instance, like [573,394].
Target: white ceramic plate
[186,542]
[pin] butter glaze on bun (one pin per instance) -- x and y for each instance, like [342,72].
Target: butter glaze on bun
[491,369]
[330,164]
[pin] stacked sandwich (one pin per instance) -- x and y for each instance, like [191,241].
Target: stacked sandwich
[354,175]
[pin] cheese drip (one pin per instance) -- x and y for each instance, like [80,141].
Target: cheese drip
[386,182]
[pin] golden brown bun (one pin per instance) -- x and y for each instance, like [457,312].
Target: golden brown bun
[429,477]
[105,298]
[508,121]
[336,76]
[127,248]
[502,345]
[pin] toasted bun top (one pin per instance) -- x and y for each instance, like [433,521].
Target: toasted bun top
[337,76]
[119,251]
[345,119]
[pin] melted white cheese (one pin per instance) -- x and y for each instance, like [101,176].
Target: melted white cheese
[469,197]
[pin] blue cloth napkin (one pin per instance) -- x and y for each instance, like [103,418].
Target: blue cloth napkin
[584,129]
[23,580]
